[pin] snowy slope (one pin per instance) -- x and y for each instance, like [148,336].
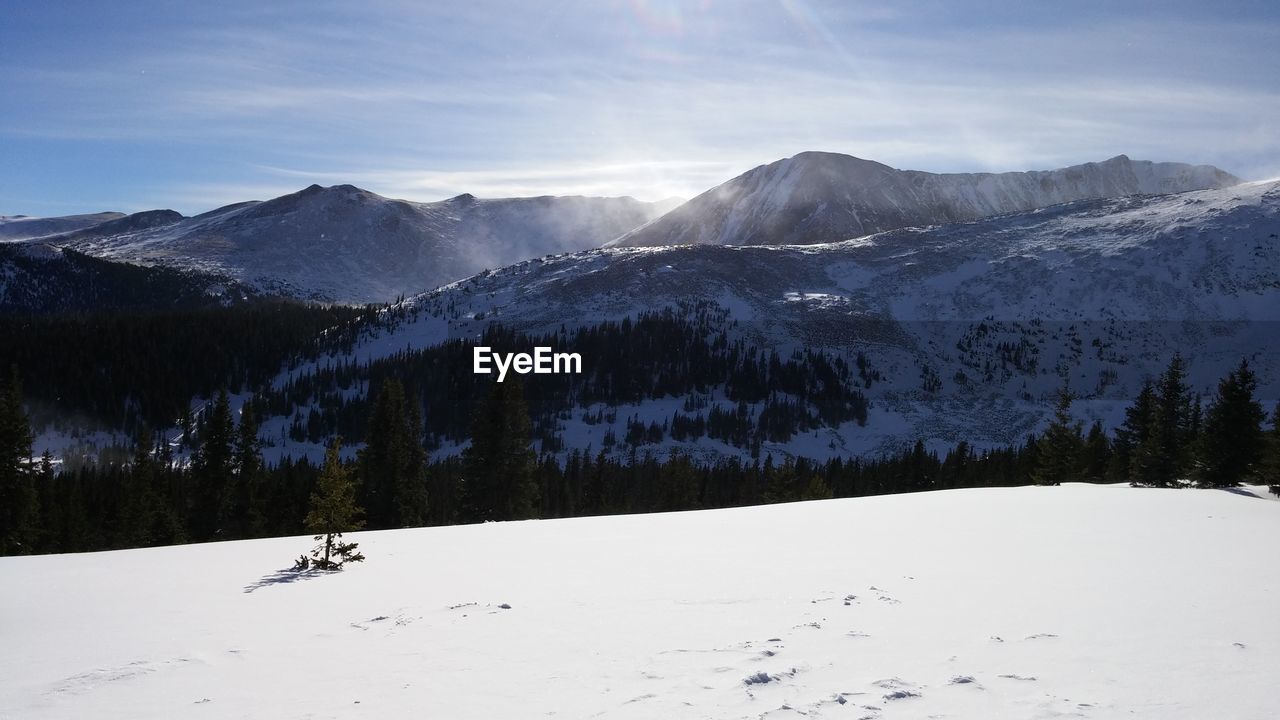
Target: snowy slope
[1076,601]
[24,227]
[971,326]
[345,244]
[823,197]
[37,278]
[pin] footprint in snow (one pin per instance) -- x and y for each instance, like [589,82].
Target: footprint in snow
[764,678]
[87,681]
[1028,678]
[898,689]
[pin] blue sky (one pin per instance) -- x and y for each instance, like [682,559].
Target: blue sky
[138,105]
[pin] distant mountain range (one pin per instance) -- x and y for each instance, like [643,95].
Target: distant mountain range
[818,197]
[343,244]
[349,245]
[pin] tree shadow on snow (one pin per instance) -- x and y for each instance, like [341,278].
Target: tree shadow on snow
[1247,492]
[281,577]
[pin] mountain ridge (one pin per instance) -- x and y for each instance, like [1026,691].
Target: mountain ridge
[26,227]
[346,244]
[815,197]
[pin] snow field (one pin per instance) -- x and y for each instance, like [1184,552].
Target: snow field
[1073,601]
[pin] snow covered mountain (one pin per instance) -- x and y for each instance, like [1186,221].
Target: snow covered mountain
[966,330]
[345,244]
[818,197]
[22,227]
[1077,601]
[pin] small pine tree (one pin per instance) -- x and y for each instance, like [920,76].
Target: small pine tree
[1232,443]
[333,512]
[1059,448]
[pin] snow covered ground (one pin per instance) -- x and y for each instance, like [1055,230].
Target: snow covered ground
[1074,601]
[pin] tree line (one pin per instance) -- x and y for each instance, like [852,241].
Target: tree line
[134,370]
[226,491]
[1169,437]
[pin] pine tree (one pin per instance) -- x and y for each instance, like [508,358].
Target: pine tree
[392,465]
[140,506]
[248,506]
[19,504]
[333,512]
[212,472]
[780,481]
[1132,434]
[816,489]
[956,466]
[1163,459]
[1232,445]
[677,484]
[1096,454]
[499,483]
[170,490]
[1059,448]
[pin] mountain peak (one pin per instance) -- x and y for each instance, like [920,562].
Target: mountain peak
[816,197]
[343,189]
